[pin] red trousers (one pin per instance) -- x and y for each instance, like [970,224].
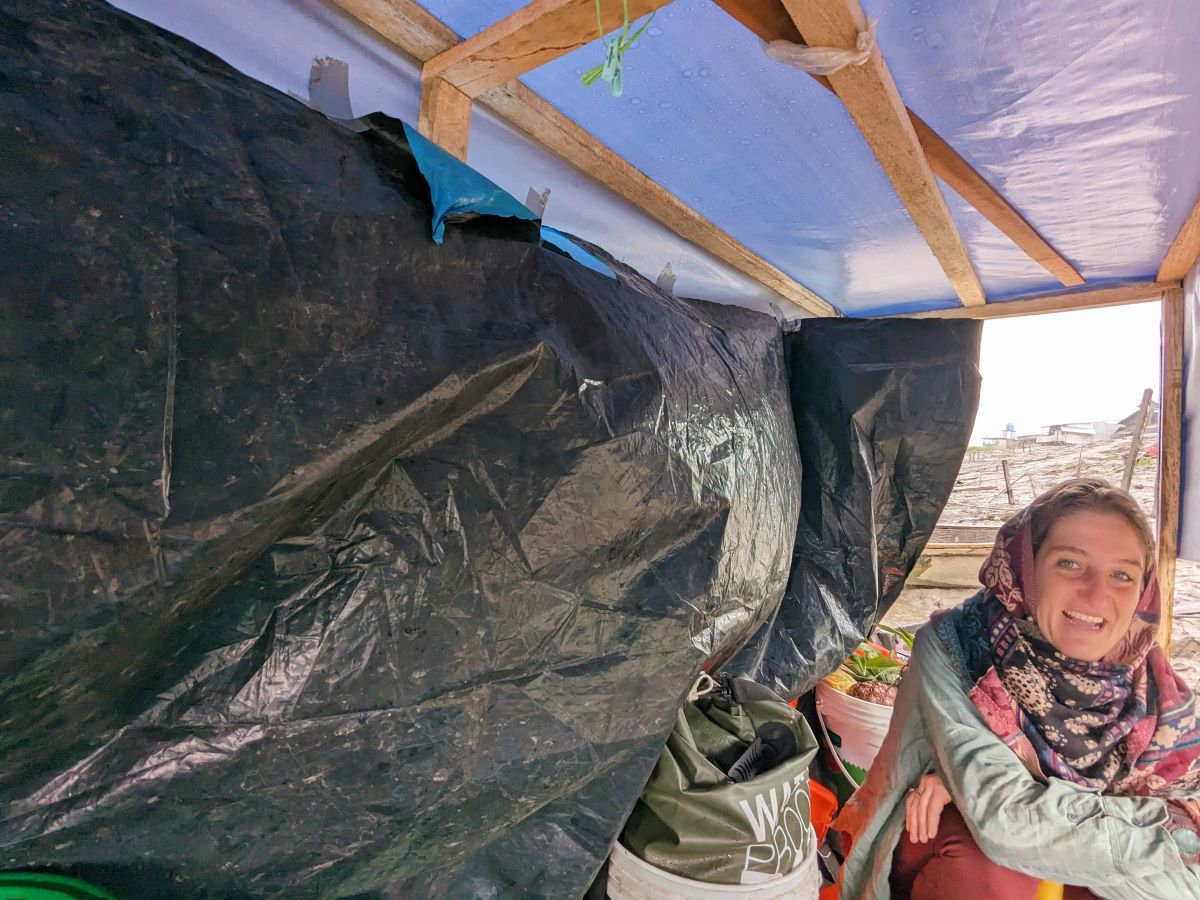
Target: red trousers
[952,865]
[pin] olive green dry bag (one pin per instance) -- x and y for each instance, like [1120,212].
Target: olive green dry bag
[695,821]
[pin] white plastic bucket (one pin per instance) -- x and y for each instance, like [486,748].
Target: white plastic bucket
[632,878]
[859,725]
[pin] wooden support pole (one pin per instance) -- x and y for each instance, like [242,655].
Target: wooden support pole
[1012,501]
[1170,429]
[870,96]
[1135,443]
[445,116]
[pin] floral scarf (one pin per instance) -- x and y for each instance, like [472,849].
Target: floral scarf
[1125,725]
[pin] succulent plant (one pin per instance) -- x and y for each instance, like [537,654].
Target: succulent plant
[870,673]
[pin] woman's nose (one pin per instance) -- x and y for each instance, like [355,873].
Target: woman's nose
[1091,586]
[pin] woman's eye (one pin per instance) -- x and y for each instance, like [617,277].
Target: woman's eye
[1123,576]
[1068,564]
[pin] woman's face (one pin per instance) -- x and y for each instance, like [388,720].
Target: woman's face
[1088,575]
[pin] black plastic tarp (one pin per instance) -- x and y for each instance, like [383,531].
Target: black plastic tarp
[883,411]
[334,562]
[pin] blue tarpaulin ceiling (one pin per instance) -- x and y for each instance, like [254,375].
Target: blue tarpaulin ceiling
[1082,113]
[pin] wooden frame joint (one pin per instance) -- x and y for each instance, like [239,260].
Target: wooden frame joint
[445,116]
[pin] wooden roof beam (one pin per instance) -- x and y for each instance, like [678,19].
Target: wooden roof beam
[534,35]
[411,28]
[873,101]
[770,21]
[1184,249]
[1060,301]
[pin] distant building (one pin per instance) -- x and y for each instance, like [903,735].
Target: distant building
[1070,433]
[1014,441]
[1125,426]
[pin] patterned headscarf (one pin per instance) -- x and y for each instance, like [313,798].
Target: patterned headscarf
[1126,724]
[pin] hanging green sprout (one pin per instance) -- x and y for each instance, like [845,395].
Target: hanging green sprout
[612,69]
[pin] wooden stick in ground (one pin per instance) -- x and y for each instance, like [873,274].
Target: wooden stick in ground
[1008,482]
[1135,444]
[1079,465]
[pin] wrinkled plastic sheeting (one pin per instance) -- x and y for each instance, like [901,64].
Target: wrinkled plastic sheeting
[884,411]
[337,563]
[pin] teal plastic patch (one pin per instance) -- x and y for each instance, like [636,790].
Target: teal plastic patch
[457,189]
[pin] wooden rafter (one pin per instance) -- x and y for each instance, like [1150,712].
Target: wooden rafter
[541,121]
[873,101]
[406,24]
[1184,249]
[534,35]
[1060,301]
[770,21]
[961,176]
[1170,419]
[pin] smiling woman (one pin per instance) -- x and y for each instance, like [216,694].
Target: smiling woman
[1094,554]
[1040,732]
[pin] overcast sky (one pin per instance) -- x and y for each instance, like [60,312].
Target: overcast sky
[1066,367]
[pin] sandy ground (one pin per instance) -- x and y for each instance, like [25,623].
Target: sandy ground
[980,498]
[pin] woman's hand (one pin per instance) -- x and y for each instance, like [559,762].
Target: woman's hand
[923,808]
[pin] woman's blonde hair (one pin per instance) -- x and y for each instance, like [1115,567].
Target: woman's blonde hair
[1093,494]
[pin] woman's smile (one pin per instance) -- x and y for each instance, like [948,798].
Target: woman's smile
[1083,620]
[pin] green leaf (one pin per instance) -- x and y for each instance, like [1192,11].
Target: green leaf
[612,69]
[904,634]
[591,76]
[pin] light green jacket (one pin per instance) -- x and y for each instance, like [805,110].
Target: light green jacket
[1116,846]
